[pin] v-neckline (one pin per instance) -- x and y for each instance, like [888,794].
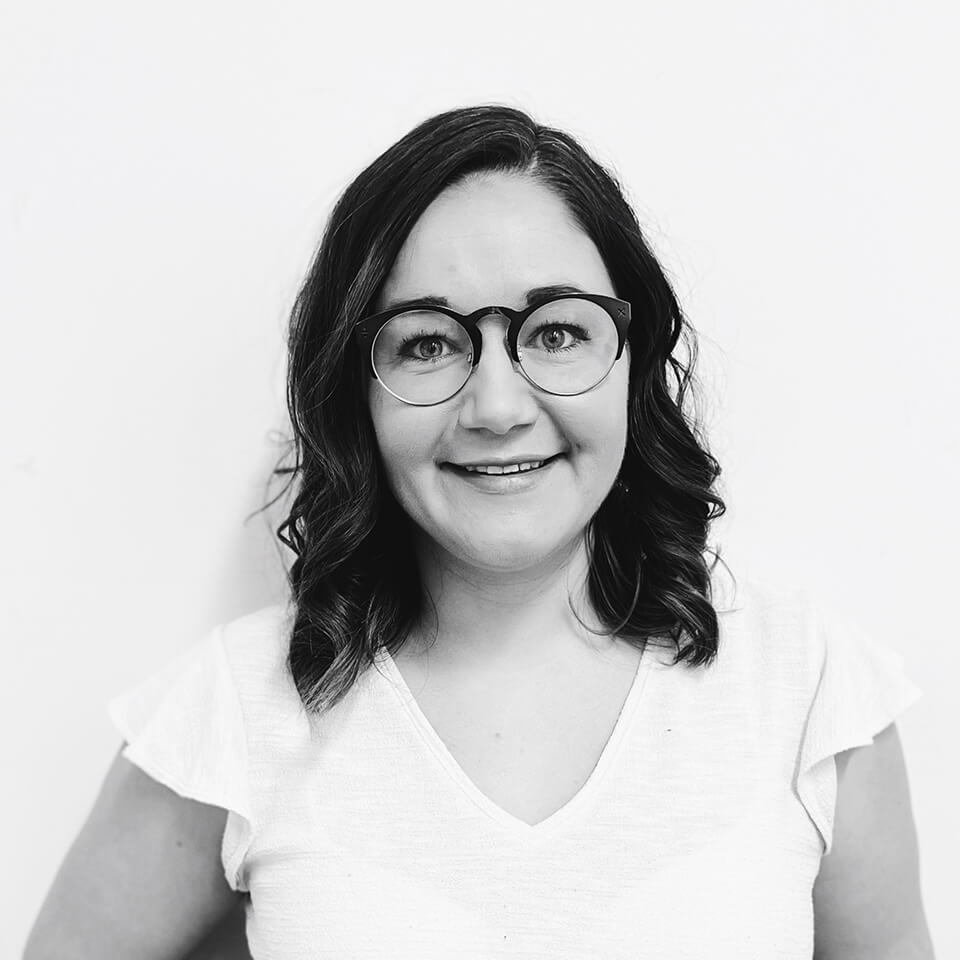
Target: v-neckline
[493,810]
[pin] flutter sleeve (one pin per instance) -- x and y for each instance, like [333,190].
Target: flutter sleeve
[860,690]
[184,727]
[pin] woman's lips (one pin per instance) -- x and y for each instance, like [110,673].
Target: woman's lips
[505,482]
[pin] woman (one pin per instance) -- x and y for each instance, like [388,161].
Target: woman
[514,707]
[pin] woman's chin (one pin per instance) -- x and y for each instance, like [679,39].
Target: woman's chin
[519,551]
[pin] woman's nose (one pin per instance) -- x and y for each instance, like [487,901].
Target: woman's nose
[497,396]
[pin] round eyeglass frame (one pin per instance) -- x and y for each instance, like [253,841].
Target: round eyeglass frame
[366,331]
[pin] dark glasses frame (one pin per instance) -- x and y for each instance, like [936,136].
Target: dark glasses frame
[366,331]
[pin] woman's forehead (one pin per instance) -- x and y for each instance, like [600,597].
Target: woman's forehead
[490,240]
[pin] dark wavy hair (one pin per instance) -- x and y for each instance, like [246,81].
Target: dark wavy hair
[355,583]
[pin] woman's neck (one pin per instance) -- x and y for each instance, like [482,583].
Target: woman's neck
[505,619]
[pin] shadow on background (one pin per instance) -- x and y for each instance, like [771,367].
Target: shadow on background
[254,569]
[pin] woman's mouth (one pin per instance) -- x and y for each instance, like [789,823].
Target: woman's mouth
[505,477]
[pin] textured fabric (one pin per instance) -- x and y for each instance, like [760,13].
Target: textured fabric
[699,832]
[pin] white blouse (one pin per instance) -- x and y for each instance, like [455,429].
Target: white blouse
[698,834]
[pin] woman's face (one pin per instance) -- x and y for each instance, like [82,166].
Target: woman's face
[488,241]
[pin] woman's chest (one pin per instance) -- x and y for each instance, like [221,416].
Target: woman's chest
[690,816]
[592,891]
[527,749]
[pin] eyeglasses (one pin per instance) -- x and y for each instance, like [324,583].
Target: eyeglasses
[424,354]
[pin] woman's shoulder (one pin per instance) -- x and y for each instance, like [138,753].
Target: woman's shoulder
[261,635]
[748,599]
[256,647]
[793,631]
[776,626]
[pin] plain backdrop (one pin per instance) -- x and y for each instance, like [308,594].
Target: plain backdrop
[165,173]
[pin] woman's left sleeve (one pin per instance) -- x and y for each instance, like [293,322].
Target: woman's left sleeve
[184,726]
[862,688]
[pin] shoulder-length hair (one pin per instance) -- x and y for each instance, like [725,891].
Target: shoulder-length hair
[355,584]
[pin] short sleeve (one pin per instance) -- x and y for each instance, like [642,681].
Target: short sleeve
[861,689]
[184,727]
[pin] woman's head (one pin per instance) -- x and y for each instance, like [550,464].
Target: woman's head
[499,239]
[480,206]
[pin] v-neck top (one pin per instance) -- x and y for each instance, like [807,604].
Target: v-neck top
[355,834]
[445,759]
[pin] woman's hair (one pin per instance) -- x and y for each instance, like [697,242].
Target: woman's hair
[355,583]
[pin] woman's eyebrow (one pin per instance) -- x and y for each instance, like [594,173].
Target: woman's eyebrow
[532,296]
[426,300]
[554,290]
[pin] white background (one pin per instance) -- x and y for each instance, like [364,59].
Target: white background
[165,175]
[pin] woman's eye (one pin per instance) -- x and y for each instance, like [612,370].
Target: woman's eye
[554,336]
[426,348]
[429,348]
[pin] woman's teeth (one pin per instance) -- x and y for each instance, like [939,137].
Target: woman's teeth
[506,468]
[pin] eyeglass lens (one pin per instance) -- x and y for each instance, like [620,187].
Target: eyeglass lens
[566,347]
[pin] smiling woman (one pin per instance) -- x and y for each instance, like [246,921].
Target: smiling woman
[497,237]
[515,707]
[502,307]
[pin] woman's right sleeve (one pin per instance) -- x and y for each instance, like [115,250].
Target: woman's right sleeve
[862,688]
[184,727]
